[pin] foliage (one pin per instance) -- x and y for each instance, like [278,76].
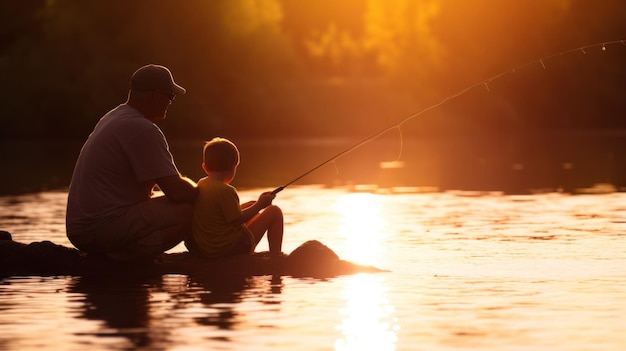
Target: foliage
[288,68]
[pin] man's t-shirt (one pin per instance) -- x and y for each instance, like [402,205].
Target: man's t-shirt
[215,209]
[116,168]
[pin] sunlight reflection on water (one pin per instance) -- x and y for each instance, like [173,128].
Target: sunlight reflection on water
[362,227]
[368,318]
[466,271]
[368,321]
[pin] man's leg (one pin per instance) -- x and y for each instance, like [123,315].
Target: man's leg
[146,229]
[159,224]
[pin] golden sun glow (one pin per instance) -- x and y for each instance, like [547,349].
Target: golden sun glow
[368,322]
[361,227]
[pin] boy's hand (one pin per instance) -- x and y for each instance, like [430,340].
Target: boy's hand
[265,199]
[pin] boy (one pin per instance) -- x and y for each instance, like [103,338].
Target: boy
[220,225]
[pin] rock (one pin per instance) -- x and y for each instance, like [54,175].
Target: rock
[5,235]
[311,259]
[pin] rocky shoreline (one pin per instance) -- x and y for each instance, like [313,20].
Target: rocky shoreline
[44,258]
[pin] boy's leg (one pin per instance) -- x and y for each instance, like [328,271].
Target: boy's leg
[270,220]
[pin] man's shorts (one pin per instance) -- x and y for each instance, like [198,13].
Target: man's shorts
[137,229]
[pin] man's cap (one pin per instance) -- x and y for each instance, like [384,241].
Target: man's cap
[155,77]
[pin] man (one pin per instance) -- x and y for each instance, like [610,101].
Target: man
[111,210]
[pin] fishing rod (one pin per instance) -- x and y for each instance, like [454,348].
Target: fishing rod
[485,83]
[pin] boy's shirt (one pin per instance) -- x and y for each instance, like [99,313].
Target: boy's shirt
[216,207]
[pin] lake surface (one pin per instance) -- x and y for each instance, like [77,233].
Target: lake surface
[466,271]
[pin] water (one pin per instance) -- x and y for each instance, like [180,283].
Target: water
[467,271]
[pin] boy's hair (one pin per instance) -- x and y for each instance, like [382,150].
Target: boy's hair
[220,155]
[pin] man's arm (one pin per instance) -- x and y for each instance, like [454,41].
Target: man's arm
[178,188]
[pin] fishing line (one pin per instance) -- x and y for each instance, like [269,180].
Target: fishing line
[398,123]
[336,168]
[401,143]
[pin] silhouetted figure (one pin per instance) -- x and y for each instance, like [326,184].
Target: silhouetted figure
[111,209]
[221,226]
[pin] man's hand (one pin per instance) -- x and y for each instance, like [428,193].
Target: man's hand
[178,188]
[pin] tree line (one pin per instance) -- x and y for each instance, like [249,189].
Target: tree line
[292,68]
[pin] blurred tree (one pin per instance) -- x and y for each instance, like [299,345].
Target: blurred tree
[20,20]
[229,54]
[288,68]
[400,33]
[483,38]
[327,35]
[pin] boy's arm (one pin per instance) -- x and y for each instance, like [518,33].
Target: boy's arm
[248,213]
[254,207]
[247,204]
